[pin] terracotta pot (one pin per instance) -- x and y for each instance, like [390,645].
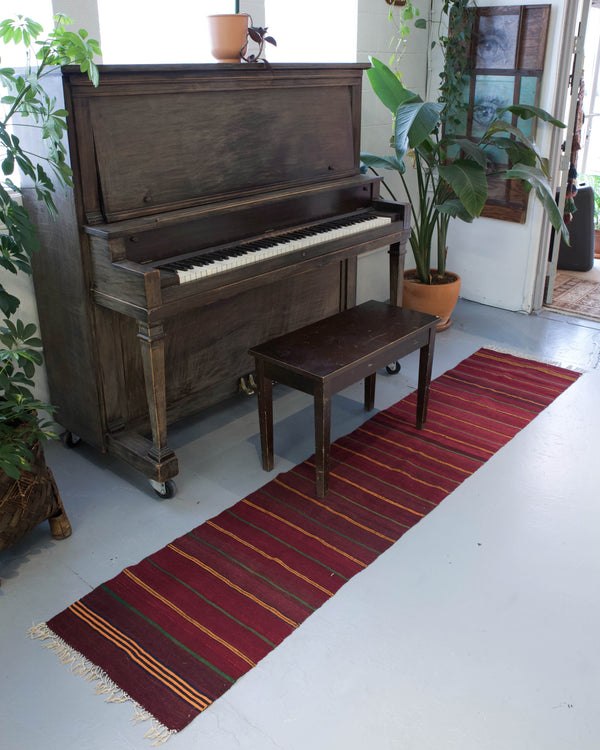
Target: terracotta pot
[435,299]
[229,35]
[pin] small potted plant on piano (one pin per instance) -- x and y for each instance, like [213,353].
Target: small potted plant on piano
[230,33]
[24,420]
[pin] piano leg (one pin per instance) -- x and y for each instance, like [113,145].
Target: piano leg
[396,273]
[265,414]
[153,357]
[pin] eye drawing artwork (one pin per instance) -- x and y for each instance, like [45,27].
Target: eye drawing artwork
[507,52]
[528,94]
[484,112]
[497,41]
[491,94]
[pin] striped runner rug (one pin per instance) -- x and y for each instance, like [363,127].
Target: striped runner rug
[175,631]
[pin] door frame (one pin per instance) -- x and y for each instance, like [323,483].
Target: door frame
[565,98]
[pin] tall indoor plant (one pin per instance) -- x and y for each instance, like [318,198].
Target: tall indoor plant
[22,424]
[455,187]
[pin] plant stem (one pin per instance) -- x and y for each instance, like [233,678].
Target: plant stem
[19,99]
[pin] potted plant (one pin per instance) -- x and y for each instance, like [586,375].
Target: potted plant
[454,187]
[229,34]
[24,423]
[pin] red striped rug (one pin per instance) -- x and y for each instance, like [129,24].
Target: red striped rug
[175,631]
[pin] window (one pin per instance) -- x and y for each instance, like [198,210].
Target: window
[157,32]
[177,32]
[312,30]
[13,55]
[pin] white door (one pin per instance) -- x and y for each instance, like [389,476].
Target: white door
[572,59]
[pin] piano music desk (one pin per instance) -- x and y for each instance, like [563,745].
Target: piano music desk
[325,357]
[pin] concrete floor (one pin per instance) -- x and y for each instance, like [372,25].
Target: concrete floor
[477,630]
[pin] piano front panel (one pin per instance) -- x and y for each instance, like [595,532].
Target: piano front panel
[206,348]
[271,134]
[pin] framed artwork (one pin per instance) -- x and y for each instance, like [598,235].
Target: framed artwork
[507,52]
[497,38]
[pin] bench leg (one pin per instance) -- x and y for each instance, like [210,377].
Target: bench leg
[425,363]
[370,391]
[265,416]
[322,441]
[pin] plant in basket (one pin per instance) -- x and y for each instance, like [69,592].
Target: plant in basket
[24,419]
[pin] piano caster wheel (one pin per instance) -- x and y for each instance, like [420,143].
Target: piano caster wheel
[393,369]
[163,489]
[69,439]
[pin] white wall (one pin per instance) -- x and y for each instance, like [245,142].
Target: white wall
[83,12]
[374,36]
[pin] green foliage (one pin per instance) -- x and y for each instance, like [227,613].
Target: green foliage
[402,18]
[452,171]
[258,35]
[459,16]
[27,101]
[20,424]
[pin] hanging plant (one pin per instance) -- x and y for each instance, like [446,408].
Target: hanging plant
[407,14]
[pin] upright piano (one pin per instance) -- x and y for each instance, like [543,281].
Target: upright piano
[214,207]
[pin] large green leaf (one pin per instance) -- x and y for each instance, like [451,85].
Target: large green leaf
[469,182]
[472,150]
[383,162]
[515,151]
[500,126]
[414,123]
[454,208]
[388,87]
[536,178]
[8,302]
[527,111]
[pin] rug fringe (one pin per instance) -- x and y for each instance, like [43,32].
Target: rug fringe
[90,672]
[541,360]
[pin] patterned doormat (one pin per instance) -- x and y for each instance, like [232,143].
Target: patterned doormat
[576,296]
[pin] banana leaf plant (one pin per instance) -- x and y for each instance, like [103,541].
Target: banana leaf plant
[454,187]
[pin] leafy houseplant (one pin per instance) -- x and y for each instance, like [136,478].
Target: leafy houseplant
[258,35]
[452,171]
[407,14]
[21,424]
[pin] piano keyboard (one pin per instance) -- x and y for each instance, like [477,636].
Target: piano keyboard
[202,266]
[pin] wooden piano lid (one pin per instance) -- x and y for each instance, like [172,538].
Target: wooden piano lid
[159,138]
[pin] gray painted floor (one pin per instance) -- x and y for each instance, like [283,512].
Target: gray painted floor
[477,630]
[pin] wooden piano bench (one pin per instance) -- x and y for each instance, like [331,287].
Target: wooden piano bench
[325,357]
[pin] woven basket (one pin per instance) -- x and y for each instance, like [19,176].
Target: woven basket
[30,500]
